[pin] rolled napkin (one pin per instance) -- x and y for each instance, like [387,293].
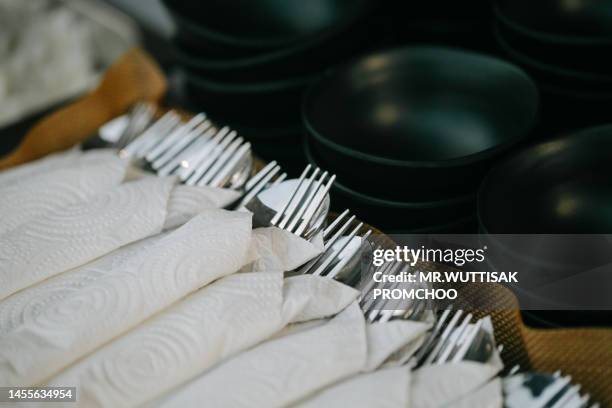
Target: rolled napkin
[26,305]
[212,245]
[488,396]
[212,324]
[57,188]
[439,385]
[46,164]
[74,235]
[284,370]
[274,249]
[188,201]
[386,388]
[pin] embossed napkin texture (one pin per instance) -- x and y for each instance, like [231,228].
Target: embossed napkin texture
[212,245]
[76,234]
[284,370]
[59,184]
[212,324]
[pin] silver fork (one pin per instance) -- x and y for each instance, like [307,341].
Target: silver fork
[337,253]
[304,202]
[196,151]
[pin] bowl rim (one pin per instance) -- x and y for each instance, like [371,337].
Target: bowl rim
[559,39]
[517,55]
[248,87]
[368,199]
[487,180]
[259,43]
[264,58]
[445,163]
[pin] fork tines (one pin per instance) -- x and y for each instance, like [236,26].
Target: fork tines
[260,181]
[330,262]
[305,201]
[451,339]
[196,151]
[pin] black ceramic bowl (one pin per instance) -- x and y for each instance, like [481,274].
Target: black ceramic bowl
[580,61]
[560,21]
[558,187]
[419,216]
[267,24]
[549,31]
[304,58]
[424,120]
[567,78]
[249,104]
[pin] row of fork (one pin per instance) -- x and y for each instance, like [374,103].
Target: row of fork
[196,151]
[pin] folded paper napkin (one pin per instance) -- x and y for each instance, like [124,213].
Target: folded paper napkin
[488,396]
[212,245]
[436,386]
[51,162]
[385,388]
[76,234]
[274,249]
[26,305]
[286,369]
[212,324]
[56,184]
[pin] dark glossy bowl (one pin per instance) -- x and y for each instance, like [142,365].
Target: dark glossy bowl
[398,215]
[578,61]
[568,78]
[267,24]
[558,187]
[249,104]
[559,21]
[430,120]
[304,58]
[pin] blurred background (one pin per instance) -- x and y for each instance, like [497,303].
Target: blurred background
[437,116]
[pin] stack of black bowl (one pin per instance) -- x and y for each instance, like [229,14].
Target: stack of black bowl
[411,132]
[246,63]
[565,46]
[561,188]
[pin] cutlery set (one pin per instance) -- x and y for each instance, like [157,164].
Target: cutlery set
[201,154]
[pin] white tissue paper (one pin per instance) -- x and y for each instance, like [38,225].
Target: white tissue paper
[488,396]
[212,324]
[26,305]
[385,388]
[212,245]
[435,386]
[274,249]
[54,189]
[41,166]
[71,236]
[286,369]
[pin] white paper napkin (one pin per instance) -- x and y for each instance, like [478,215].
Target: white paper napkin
[274,249]
[25,306]
[435,386]
[47,163]
[188,201]
[286,369]
[385,388]
[214,323]
[488,396]
[46,190]
[212,245]
[73,235]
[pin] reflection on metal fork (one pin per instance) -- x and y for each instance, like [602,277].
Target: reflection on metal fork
[304,202]
[196,151]
[260,181]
